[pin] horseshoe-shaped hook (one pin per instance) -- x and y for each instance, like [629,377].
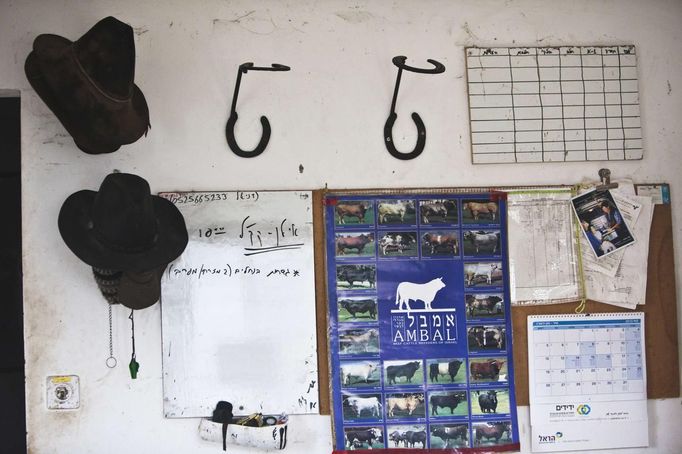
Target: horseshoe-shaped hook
[421,129]
[265,124]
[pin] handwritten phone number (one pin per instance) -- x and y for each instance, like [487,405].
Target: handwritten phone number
[202,197]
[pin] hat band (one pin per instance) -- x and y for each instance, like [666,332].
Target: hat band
[94,84]
[127,249]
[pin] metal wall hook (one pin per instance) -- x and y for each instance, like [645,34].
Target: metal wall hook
[421,129]
[265,124]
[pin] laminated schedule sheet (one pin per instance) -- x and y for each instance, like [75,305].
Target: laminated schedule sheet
[587,381]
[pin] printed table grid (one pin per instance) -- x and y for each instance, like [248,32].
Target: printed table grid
[554,104]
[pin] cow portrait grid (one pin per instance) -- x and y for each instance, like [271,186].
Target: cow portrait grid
[418,298]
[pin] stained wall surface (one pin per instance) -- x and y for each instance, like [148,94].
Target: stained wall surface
[327,117]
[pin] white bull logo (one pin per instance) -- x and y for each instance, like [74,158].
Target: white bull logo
[407,291]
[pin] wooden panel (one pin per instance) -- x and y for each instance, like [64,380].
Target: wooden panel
[321,303]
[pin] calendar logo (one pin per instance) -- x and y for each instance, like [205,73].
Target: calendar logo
[583,409]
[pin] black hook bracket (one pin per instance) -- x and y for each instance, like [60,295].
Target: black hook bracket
[265,124]
[421,129]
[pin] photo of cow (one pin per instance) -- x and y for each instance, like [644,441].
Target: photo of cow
[406,436]
[355,276]
[398,244]
[438,211]
[404,373]
[390,212]
[480,243]
[447,371]
[354,212]
[485,338]
[488,369]
[361,407]
[357,309]
[448,403]
[440,243]
[355,244]
[360,374]
[364,437]
[405,405]
[449,436]
[358,341]
[484,306]
[480,212]
[487,401]
[491,433]
[483,274]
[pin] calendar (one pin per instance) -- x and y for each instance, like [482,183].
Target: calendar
[587,379]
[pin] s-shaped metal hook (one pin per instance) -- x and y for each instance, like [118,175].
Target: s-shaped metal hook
[421,129]
[229,129]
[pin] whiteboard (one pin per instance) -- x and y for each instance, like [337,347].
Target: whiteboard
[238,306]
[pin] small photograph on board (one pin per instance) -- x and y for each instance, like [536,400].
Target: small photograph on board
[355,277]
[354,212]
[405,405]
[447,371]
[440,243]
[438,211]
[364,437]
[360,374]
[481,242]
[403,373]
[484,338]
[602,223]
[484,306]
[480,212]
[490,401]
[448,403]
[483,274]
[488,369]
[359,407]
[358,341]
[398,244]
[357,309]
[491,433]
[392,212]
[355,244]
[448,436]
[406,436]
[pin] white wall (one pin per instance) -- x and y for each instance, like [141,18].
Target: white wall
[327,115]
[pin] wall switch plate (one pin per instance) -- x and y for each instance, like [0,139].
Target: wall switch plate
[63,392]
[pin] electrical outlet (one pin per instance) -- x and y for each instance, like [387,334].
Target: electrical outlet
[63,392]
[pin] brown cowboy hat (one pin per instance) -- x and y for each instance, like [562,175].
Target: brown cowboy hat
[122,226]
[88,84]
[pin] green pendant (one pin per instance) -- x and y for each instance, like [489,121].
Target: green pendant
[134,366]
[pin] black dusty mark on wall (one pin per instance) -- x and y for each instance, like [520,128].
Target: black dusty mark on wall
[300,168]
[670,88]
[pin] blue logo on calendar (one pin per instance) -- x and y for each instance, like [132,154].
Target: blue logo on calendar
[583,409]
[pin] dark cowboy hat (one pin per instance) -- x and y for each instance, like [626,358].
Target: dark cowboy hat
[88,84]
[122,227]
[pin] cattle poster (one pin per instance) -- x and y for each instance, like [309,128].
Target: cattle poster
[420,328]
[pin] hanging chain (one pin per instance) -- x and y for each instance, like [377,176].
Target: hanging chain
[111,360]
[134,366]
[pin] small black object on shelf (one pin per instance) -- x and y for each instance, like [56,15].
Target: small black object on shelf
[223,414]
[421,129]
[229,129]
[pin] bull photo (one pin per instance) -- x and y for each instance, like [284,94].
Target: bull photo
[403,372]
[396,212]
[487,370]
[491,433]
[405,405]
[355,276]
[440,243]
[483,274]
[364,437]
[446,436]
[360,407]
[478,243]
[438,211]
[485,338]
[398,244]
[357,341]
[448,403]
[447,371]
[601,222]
[406,436]
[357,309]
[487,401]
[480,212]
[355,244]
[484,306]
[360,374]
[354,212]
